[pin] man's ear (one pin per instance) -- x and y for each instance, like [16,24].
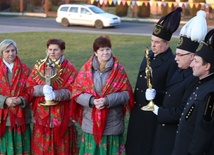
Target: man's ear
[168,43]
[207,66]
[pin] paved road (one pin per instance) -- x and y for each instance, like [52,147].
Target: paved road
[33,24]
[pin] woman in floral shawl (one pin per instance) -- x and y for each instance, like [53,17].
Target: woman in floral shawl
[101,95]
[15,114]
[53,131]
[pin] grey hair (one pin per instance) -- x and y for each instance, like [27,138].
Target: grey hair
[7,42]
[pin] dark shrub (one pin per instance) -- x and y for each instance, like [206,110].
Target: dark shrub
[121,10]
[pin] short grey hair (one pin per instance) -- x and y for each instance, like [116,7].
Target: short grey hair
[5,43]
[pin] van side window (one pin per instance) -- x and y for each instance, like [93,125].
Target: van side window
[65,9]
[74,9]
[84,11]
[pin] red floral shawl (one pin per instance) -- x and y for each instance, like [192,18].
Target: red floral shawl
[116,81]
[20,74]
[58,114]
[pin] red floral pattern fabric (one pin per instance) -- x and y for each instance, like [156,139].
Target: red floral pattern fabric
[116,81]
[57,115]
[15,89]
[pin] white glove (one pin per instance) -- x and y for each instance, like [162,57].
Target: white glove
[49,96]
[150,94]
[155,111]
[47,89]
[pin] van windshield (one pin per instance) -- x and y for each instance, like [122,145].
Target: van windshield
[96,10]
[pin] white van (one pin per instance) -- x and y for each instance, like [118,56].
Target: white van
[85,14]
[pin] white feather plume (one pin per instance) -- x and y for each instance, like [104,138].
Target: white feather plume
[195,28]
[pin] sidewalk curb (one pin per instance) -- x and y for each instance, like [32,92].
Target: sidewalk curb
[31,14]
[147,20]
[152,21]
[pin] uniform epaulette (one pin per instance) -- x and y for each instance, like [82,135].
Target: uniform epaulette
[209,108]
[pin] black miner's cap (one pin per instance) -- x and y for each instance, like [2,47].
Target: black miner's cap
[168,24]
[193,32]
[206,48]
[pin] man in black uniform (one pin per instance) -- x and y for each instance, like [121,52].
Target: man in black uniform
[142,124]
[195,134]
[180,85]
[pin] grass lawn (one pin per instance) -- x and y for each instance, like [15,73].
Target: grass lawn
[129,49]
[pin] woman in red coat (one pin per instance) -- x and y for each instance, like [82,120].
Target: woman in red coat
[15,114]
[53,130]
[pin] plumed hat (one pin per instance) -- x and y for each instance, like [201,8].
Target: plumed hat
[193,32]
[168,24]
[206,48]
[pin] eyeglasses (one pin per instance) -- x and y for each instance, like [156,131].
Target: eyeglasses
[180,55]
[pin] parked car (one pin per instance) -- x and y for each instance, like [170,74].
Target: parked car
[85,14]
